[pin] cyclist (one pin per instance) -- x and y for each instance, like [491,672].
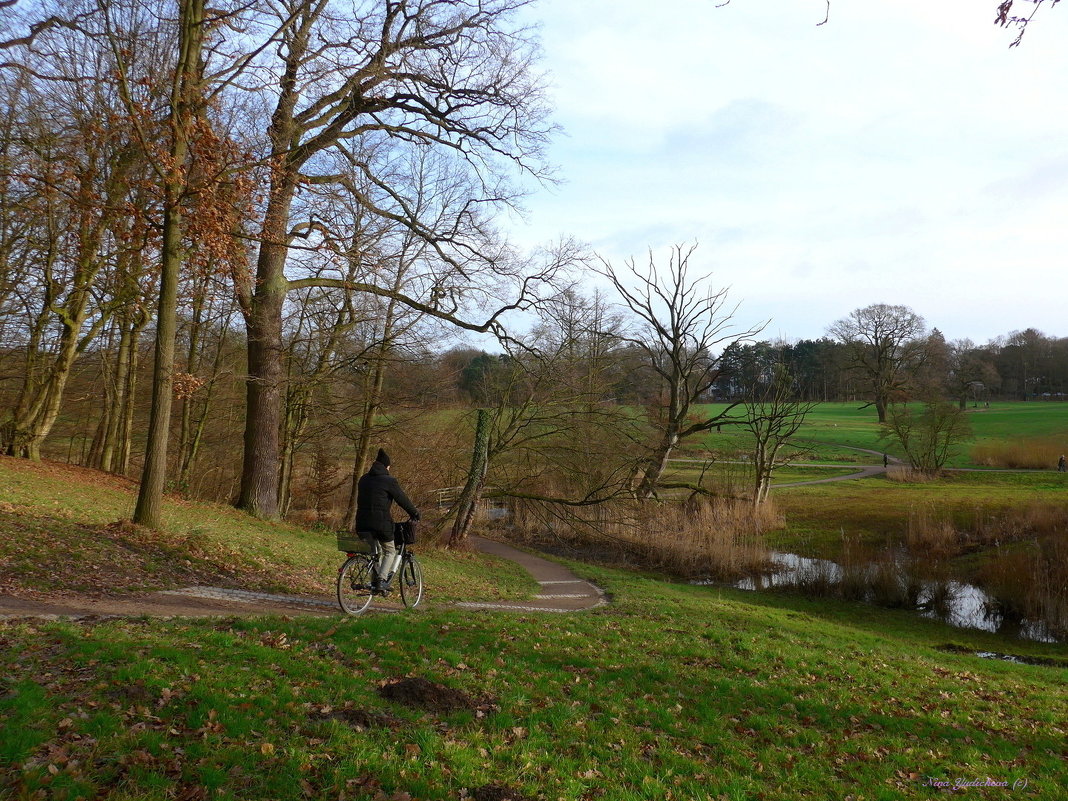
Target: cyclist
[376,492]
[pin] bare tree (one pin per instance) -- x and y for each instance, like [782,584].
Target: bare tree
[454,77]
[970,371]
[682,323]
[542,437]
[184,108]
[208,332]
[1006,19]
[886,344]
[773,415]
[928,437]
[79,161]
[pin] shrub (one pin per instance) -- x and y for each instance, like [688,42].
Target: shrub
[930,437]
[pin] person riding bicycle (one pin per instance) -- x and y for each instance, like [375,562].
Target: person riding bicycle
[376,492]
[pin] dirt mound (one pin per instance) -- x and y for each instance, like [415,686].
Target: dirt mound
[497,792]
[422,694]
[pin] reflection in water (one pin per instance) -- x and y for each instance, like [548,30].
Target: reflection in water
[953,602]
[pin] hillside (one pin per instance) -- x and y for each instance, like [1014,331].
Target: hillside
[670,691]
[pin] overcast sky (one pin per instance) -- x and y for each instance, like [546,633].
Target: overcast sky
[900,153]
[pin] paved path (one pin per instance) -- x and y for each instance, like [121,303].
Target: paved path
[561,591]
[861,471]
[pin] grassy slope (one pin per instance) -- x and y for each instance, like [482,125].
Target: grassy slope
[54,512]
[670,692]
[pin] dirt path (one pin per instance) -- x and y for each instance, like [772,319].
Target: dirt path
[561,591]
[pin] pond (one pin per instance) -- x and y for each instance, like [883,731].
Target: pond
[953,602]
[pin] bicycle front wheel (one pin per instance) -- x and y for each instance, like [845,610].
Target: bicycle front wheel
[411,581]
[354,584]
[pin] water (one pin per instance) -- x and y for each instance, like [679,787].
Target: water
[956,603]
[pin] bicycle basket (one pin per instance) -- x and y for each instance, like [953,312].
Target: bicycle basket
[404,532]
[351,542]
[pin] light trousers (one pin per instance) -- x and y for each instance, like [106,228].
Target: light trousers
[388,556]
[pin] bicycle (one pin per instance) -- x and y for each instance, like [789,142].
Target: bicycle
[355,579]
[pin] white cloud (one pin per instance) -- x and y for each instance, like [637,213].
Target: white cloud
[900,153]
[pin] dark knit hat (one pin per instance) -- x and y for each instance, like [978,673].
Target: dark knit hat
[382,457]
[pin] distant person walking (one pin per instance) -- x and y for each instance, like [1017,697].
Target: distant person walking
[375,494]
[1061,464]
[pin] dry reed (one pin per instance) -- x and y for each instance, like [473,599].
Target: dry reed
[932,533]
[719,539]
[1036,453]
[1030,584]
[903,474]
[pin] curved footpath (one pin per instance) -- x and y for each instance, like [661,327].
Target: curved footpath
[561,591]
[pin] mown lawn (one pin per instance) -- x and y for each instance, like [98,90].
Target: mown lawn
[832,430]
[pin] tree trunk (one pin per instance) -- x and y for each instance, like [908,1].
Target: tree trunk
[372,402]
[656,465]
[476,482]
[372,398]
[293,426]
[106,422]
[121,460]
[149,509]
[260,465]
[185,97]
[185,428]
[35,417]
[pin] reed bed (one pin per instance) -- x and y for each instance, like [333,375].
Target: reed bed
[717,539]
[904,474]
[1033,453]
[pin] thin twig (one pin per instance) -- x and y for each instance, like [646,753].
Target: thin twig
[827,17]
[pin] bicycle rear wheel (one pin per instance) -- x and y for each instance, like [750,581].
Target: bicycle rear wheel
[411,581]
[354,583]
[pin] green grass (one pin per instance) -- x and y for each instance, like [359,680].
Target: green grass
[831,430]
[671,692]
[876,510]
[740,474]
[52,513]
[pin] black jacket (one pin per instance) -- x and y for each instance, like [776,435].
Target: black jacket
[375,493]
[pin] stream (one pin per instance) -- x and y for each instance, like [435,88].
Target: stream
[953,602]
